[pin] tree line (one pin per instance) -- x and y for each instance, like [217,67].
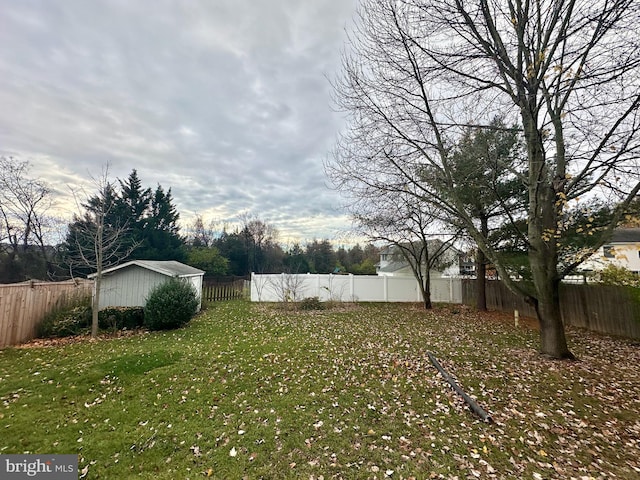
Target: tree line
[124,220]
[254,246]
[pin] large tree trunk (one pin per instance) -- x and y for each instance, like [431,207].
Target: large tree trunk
[552,337]
[543,258]
[544,209]
[547,301]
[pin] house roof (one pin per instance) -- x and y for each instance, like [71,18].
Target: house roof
[626,235]
[170,268]
[393,267]
[388,250]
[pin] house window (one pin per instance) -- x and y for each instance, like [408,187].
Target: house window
[608,251]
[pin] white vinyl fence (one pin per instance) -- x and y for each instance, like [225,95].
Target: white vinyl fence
[350,288]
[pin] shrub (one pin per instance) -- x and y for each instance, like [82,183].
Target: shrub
[170,305]
[67,320]
[311,303]
[120,318]
[618,276]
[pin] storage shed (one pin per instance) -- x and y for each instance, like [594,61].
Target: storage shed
[129,284]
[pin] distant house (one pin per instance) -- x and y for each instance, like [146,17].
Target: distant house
[393,264]
[467,264]
[623,250]
[129,284]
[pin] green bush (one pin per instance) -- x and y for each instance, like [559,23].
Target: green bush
[618,276]
[170,305]
[67,320]
[121,318]
[311,303]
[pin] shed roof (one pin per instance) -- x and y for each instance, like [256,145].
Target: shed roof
[170,268]
[626,235]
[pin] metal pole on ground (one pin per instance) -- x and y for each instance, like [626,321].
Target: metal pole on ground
[473,405]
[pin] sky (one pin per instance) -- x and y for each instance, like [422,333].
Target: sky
[226,102]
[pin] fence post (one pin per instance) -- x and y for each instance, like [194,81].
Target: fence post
[352,292]
[385,288]
[450,289]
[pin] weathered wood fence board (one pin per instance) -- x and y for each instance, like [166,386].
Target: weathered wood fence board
[600,308]
[218,289]
[24,305]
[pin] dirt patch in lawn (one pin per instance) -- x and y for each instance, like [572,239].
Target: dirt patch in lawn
[508,318]
[505,318]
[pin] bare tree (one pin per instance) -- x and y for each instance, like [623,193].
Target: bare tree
[201,235]
[24,206]
[335,290]
[402,220]
[258,282]
[96,239]
[261,242]
[419,72]
[287,287]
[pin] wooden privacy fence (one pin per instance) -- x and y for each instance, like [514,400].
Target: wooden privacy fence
[601,308]
[224,288]
[24,305]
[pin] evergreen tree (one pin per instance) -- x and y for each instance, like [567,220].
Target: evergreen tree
[232,246]
[133,205]
[295,260]
[78,251]
[321,256]
[486,167]
[147,223]
[355,255]
[342,259]
[161,233]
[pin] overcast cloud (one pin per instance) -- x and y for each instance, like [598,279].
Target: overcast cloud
[226,102]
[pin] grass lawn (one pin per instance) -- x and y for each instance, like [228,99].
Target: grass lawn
[254,391]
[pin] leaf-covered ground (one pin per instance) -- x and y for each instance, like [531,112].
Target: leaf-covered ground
[254,391]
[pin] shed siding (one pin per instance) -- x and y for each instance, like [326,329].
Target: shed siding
[129,287]
[196,281]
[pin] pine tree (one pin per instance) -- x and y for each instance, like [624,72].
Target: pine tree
[161,234]
[134,202]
